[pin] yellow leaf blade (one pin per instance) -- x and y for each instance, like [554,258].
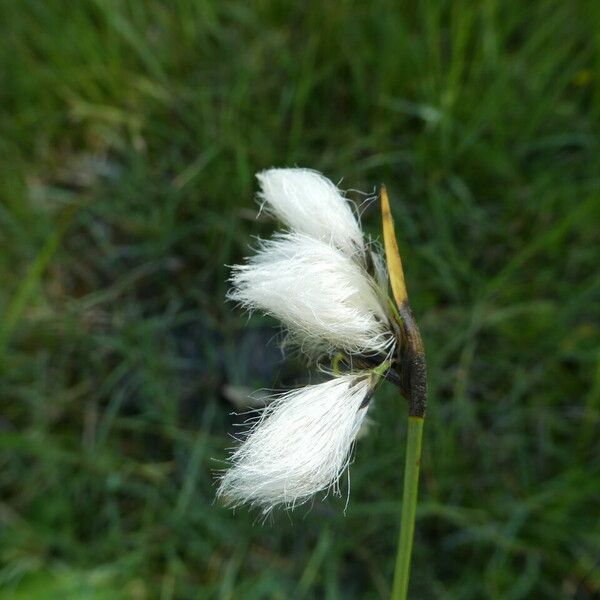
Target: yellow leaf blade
[392,254]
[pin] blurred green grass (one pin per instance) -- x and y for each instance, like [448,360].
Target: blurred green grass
[130,133]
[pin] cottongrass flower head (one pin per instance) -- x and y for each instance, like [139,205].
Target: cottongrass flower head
[324,297]
[299,445]
[309,203]
[329,288]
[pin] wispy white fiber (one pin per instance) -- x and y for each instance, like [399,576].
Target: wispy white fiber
[330,289]
[299,445]
[309,203]
[379,266]
[320,294]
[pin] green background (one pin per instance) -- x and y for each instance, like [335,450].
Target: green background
[130,133]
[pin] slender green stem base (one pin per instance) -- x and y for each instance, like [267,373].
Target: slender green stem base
[409,507]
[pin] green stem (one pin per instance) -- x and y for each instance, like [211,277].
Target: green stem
[409,507]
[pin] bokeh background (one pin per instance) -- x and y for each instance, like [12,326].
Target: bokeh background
[130,135]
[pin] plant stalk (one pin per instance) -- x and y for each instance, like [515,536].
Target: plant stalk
[409,507]
[413,385]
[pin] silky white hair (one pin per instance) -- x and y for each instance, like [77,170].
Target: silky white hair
[321,295]
[308,202]
[314,279]
[299,445]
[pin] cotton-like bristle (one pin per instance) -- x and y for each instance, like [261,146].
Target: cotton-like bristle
[320,294]
[309,203]
[299,445]
[380,270]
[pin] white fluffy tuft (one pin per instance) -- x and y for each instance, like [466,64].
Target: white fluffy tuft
[299,445]
[309,203]
[321,295]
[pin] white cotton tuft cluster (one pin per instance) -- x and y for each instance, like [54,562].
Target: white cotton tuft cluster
[329,289]
[322,296]
[300,445]
[309,203]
